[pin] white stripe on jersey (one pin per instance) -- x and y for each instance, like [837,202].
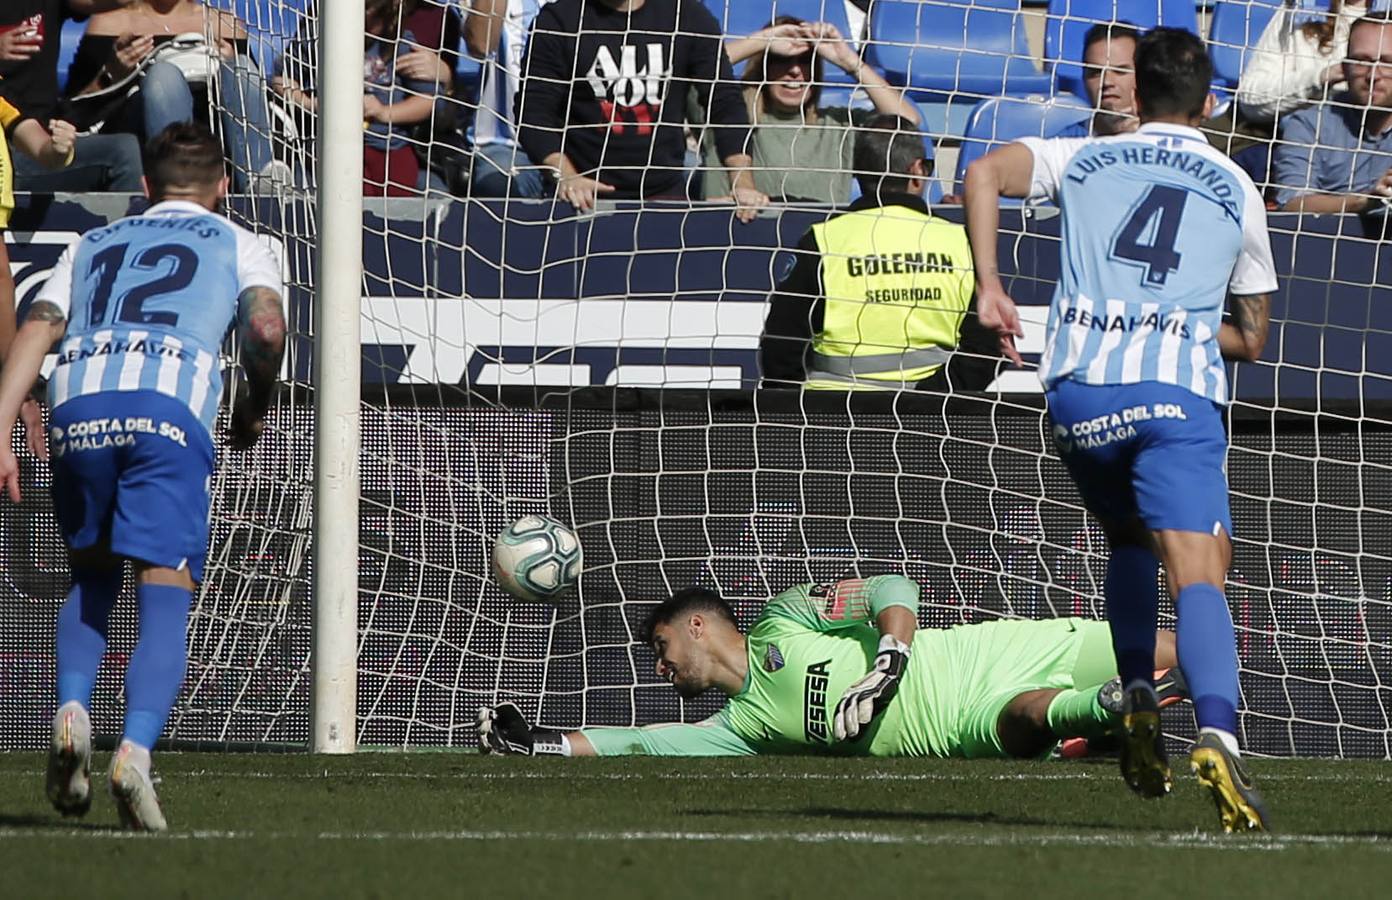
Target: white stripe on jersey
[167,382]
[198,395]
[60,389]
[96,366]
[1198,359]
[1111,340]
[1133,357]
[1167,361]
[1077,337]
[134,364]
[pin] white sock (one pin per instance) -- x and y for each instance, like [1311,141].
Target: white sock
[565,746]
[1227,737]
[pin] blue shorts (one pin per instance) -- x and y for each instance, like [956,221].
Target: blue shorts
[1152,450]
[133,469]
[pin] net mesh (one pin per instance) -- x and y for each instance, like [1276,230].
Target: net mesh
[520,358]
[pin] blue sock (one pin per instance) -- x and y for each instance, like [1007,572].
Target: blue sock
[1133,597]
[157,666]
[1208,655]
[81,637]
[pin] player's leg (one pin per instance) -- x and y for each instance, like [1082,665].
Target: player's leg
[1196,565]
[80,643]
[1034,720]
[84,479]
[153,679]
[160,523]
[1097,433]
[1181,489]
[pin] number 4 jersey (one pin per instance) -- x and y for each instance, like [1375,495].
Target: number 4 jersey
[149,300]
[1158,227]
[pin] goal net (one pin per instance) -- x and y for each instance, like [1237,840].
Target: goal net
[601,367]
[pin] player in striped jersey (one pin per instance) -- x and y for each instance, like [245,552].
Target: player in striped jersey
[1158,228]
[140,309]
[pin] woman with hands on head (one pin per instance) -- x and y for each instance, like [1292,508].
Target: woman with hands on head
[802,151]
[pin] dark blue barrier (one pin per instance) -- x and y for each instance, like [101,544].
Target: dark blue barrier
[1332,319]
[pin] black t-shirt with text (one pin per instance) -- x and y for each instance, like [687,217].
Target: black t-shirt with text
[608,89]
[32,85]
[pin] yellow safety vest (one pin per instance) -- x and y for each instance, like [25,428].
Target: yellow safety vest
[897,283]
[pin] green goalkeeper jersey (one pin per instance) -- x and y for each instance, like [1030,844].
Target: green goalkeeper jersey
[814,641]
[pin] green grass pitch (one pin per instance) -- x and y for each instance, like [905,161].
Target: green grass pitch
[460,825]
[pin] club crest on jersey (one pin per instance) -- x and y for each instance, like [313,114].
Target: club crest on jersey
[773,658]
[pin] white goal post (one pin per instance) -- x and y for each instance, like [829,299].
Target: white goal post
[337,380]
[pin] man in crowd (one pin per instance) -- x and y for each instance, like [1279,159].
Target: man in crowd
[29,43]
[602,101]
[496,31]
[1109,77]
[844,669]
[1336,157]
[881,294]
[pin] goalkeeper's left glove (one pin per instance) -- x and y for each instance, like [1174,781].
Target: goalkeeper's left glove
[503,729]
[869,696]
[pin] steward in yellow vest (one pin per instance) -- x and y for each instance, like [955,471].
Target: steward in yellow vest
[880,294]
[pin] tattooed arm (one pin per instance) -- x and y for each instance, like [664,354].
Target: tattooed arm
[44,325]
[261,327]
[1243,337]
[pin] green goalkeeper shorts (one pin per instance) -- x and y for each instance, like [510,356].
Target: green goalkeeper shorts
[1001,660]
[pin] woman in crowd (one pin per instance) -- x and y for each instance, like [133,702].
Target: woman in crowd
[1299,58]
[801,151]
[404,78]
[130,76]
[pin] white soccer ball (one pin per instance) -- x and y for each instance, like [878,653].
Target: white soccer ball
[536,559]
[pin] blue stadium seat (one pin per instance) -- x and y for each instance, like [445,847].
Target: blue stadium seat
[270,24]
[1000,120]
[741,17]
[937,49]
[67,50]
[1234,30]
[1069,20]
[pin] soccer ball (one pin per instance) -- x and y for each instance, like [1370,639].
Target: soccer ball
[536,558]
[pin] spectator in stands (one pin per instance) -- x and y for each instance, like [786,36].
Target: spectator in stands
[496,31]
[1337,156]
[1299,58]
[29,44]
[1109,77]
[880,296]
[800,151]
[602,101]
[136,72]
[403,81]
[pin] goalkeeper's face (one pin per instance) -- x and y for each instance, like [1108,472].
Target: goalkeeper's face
[684,658]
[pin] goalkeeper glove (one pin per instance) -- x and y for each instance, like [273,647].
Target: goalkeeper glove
[869,696]
[502,729]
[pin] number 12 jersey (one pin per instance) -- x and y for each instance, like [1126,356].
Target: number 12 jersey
[149,300]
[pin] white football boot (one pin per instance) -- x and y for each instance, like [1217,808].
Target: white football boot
[69,782]
[134,790]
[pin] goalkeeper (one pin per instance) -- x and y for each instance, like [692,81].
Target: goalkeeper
[814,675]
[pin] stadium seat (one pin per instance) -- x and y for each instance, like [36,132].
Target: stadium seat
[1232,33]
[741,17]
[939,49]
[67,50]
[270,24]
[1069,20]
[1000,120]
